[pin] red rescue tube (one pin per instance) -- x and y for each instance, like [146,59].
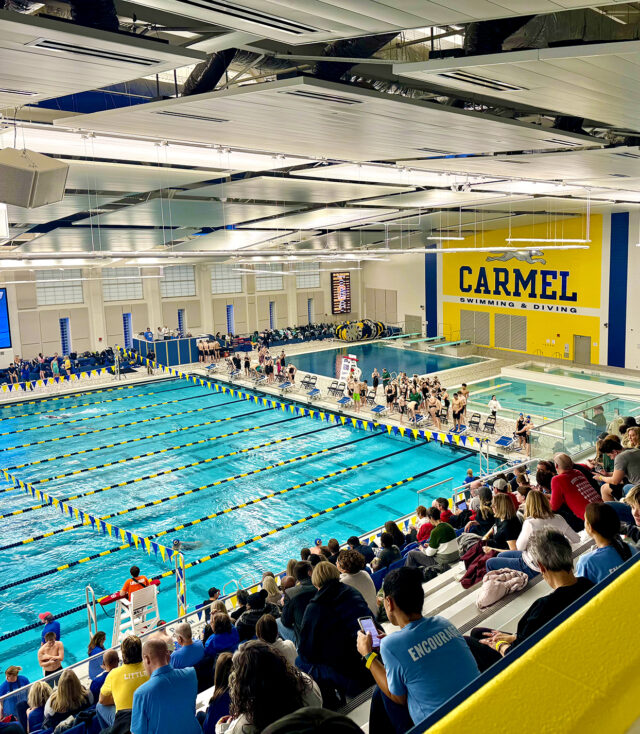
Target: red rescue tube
[110,598]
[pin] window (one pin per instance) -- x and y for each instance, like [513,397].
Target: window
[309,277]
[121,284]
[267,282]
[225,279]
[58,286]
[178,280]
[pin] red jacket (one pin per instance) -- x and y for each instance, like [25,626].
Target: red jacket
[573,489]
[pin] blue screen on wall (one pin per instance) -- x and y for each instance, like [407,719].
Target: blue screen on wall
[5,331]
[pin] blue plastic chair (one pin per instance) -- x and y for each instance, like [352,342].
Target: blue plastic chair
[378,578]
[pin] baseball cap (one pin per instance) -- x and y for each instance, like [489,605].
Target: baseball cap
[500,484]
[45,616]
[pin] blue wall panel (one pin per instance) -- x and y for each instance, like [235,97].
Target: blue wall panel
[618,275]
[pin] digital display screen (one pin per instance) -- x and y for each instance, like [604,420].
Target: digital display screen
[5,331]
[340,292]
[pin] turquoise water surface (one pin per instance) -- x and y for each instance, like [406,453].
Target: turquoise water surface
[580,375]
[88,428]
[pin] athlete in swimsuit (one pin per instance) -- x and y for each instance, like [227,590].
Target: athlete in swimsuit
[433,404]
[375,378]
[455,407]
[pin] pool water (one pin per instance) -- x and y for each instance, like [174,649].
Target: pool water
[379,356]
[176,406]
[579,375]
[533,398]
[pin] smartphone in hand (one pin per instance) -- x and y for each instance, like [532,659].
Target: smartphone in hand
[368,625]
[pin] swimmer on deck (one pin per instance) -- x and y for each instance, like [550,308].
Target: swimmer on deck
[180,545]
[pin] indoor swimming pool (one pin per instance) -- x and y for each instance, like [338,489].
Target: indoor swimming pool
[379,356]
[578,374]
[189,438]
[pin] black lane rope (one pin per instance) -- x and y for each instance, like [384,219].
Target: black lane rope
[224,551]
[72,395]
[109,551]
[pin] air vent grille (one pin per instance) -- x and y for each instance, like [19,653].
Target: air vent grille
[203,118]
[481,81]
[324,97]
[250,15]
[21,92]
[563,142]
[635,156]
[96,53]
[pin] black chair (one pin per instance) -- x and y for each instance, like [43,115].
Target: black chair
[333,388]
[443,416]
[474,422]
[490,424]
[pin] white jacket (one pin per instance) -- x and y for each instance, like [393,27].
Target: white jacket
[534,524]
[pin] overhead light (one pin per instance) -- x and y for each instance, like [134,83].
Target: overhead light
[543,239]
[446,237]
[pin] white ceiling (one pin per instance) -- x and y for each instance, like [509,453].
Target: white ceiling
[42,58]
[71,204]
[299,116]
[278,188]
[436,198]
[321,218]
[308,21]
[235,239]
[599,82]
[88,239]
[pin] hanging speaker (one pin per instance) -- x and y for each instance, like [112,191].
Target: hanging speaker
[30,179]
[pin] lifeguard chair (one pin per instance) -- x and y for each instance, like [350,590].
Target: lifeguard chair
[136,616]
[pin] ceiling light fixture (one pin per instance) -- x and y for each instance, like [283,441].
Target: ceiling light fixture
[543,239]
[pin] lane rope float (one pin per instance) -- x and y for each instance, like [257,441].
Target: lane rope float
[71,395]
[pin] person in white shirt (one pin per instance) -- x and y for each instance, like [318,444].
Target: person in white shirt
[267,631]
[494,406]
[351,565]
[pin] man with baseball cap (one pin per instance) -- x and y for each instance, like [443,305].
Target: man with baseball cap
[50,625]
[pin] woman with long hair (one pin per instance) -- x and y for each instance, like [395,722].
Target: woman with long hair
[270,585]
[94,651]
[398,536]
[484,518]
[264,688]
[506,529]
[602,523]
[69,698]
[39,693]
[267,631]
[220,702]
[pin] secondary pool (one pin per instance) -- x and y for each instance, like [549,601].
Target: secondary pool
[41,440]
[582,375]
[379,356]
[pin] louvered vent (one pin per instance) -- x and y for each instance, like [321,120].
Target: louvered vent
[96,53]
[324,97]
[481,81]
[203,118]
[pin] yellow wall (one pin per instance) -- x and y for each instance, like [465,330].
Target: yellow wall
[583,279]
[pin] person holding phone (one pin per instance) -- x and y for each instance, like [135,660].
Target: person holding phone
[417,668]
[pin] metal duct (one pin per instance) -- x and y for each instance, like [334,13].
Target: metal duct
[99,14]
[359,48]
[206,75]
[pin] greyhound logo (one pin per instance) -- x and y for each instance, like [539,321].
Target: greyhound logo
[527,256]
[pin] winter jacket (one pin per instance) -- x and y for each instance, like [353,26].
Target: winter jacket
[497,584]
[222,642]
[246,624]
[296,600]
[330,627]
[475,560]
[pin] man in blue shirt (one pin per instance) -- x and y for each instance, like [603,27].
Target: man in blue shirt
[110,660]
[166,703]
[189,653]
[423,664]
[148,334]
[50,625]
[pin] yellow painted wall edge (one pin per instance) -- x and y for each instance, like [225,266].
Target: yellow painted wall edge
[582,678]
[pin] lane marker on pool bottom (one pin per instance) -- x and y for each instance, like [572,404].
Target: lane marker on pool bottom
[109,551]
[256,538]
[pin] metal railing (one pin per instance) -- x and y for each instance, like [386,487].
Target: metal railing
[431,486]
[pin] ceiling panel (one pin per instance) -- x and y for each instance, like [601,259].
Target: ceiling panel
[321,218]
[235,239]
[42,58]
[71,204]
[436,198]
[546,206]
[306,21]
[596,81]
[88,239]
[300,116]
[186,213]
[274,188]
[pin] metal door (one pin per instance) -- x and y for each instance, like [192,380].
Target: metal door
[582,349]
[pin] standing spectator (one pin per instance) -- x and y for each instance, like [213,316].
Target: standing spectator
[224,638]
[120,685]
[494,406]
[95,650]
[423,664]
[220,702]
[50,657]
[166,702]
[39,694]
[602,523]
[296,601]
[189,652]
[69,699]
[50,625]
[327,638]
[365,550]
[470,477]
[267,631]
[351,565]
[151,358]
[442,550]
[12,682]
[264,688]
[257,605]
[110,660]
[571,492]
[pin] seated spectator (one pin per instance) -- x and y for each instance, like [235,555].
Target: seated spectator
[552,554]
[519,471]
[313,721]
[328,635]
[632,531]
[290,564]
[602,523]
[626,470]
[365,550]
[220,607]
[305,553]
[224,638]
[110,660]
[95,650]
[442,503]
[264,688]
[506,529]
[351,566]
[274,594]
[39,693]
[50,657]
[484,519]
[501,486]
[545,472]
[257,605]
[442,549]
[392,528]
[267,631]
[571,492]
[538,515]
[389,552]
[12,682]
[333,546]
[189,652]
[420,666]
[116,695]
[296,601]
[288,582]
[166,702]
[522,489]
[241,597]
[220,702]
[68,699]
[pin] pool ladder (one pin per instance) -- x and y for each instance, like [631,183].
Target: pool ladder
[92,615]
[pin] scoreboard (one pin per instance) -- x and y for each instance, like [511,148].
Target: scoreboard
[341,292]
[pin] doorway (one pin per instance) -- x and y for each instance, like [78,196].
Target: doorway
[582,349]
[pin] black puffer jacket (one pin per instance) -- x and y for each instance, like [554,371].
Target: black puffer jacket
[246,624]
